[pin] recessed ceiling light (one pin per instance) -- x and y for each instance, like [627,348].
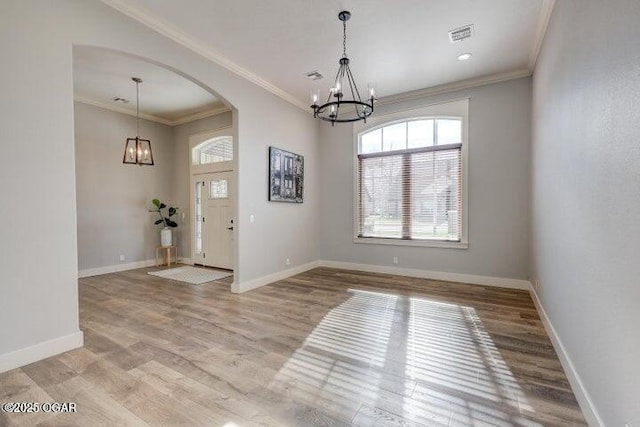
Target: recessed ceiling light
[464,56]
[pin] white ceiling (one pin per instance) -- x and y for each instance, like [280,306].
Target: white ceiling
[100,75]
[399,46]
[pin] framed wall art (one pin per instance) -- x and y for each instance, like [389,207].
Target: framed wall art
[286,176]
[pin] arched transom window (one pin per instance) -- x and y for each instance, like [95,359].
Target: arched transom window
[213,150]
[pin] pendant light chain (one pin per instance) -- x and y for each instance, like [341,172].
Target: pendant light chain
[137,109]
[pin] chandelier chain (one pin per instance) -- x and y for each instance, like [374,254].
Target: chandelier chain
[344,39]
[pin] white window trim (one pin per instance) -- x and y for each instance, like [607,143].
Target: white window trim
[457,108]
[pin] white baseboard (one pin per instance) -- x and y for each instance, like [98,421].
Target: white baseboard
[274,277]
[410,272]
[585,402]
[40,351]
[115,268]
[265,280]
[501,282]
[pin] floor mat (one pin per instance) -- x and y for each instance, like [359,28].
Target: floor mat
[193,275]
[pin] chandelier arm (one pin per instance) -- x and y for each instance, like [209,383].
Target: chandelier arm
[356,96]
[351,86]
[354,84]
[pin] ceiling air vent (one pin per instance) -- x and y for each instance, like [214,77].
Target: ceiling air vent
[459,34]
[314,75]
[120,100]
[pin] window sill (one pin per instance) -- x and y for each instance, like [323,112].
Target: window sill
[417,243]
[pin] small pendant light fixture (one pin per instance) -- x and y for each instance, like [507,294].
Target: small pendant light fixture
[137,151]
[339,108]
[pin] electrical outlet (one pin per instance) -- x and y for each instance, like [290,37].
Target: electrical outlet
[121,257]
[288,261]
[395,259]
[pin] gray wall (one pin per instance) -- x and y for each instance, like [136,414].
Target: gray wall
[37,133]
[586,195]
[38,259]
[113,199]
[181,175]
[281,230]
[499,138]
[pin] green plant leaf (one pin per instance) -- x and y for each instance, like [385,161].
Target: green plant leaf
[171,223]
[172,211]
[156,202]
[159,221]
[162,206]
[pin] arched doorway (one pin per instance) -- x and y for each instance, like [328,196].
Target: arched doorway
[115,229]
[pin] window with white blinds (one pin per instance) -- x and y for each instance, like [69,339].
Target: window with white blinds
[409,184]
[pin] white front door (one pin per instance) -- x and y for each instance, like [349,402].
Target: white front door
[214,219]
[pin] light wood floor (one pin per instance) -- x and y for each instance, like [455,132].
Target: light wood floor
[324,348]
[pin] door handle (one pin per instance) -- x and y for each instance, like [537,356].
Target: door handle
[230,228]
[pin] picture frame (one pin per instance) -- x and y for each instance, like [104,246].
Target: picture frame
[286,176]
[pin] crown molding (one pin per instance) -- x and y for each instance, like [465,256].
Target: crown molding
[450,87]
[197,116]
[159,25]
[150,117]
[121,110]
[543,23]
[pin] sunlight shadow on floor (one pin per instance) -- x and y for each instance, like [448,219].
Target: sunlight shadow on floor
[380,355]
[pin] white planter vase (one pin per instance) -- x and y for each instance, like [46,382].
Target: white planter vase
[166,237]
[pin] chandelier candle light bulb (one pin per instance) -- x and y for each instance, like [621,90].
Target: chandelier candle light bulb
[315,97]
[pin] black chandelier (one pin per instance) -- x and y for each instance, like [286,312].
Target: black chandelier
[137,151]
[339,108]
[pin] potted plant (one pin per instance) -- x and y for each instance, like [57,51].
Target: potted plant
[165,219]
